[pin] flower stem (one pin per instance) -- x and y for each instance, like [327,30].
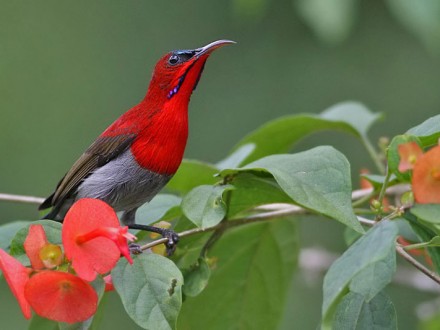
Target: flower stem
[374,155]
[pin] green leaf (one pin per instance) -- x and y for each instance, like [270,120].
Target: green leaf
[53,234]
[366,267]
[41,323]
[150,290]
[205,206]
[192,173]
[156,210]
[196,278]
[428,132]
[237,157]
[435,241]
[427,212]
[8,231]
[317,179]
[249,283]
[356,312]
[425,233]
[280,135]
[394,157]
[251,191]
[428,215]
[330,20]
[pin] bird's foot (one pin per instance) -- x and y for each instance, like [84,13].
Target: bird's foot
[134,248]
[170,235]
[173,239]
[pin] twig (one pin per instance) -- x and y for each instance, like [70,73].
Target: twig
[432,275]
[287,211]
[367,222]
[374,155]
[21,198]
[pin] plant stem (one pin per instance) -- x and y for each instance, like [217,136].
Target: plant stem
[374,155]
[382,193]
[415,246]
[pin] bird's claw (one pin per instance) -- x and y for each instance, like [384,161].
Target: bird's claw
[173,239]
[134,248]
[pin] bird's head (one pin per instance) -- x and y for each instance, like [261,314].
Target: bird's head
[177,73]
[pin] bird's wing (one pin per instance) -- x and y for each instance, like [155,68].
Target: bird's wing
[98,154]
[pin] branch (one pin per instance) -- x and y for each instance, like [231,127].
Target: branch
[432,275]
[21,198]
[401,251]
[283,211]
[275,211]
[287,211]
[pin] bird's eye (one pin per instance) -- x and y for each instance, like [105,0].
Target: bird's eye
[174,59]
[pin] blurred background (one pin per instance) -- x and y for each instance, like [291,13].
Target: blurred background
[69,68]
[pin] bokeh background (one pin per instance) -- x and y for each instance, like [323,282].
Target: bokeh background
[69,68]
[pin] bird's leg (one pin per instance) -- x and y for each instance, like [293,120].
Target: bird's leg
[170,235]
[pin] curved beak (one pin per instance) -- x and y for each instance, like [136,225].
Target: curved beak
[212,46]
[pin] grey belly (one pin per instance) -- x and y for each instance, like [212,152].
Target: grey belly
[122,183]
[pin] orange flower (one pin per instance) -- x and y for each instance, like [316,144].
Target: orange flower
[426,177]
[409,153]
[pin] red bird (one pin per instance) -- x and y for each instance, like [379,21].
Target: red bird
[134,158]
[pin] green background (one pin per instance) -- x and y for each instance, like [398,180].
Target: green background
[69,68]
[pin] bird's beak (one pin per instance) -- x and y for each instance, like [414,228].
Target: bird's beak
[212,46]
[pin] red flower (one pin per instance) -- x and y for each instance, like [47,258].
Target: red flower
[409,153]
[61,296]
[93,239]
[426,177]
[17,276]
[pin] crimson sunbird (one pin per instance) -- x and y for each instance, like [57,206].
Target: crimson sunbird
[134,158]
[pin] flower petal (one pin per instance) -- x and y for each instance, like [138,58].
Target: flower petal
[95,254]
[35,241]
[17,276]
[61,296]
[409,153]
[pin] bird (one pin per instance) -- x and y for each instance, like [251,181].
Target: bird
[135,157]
